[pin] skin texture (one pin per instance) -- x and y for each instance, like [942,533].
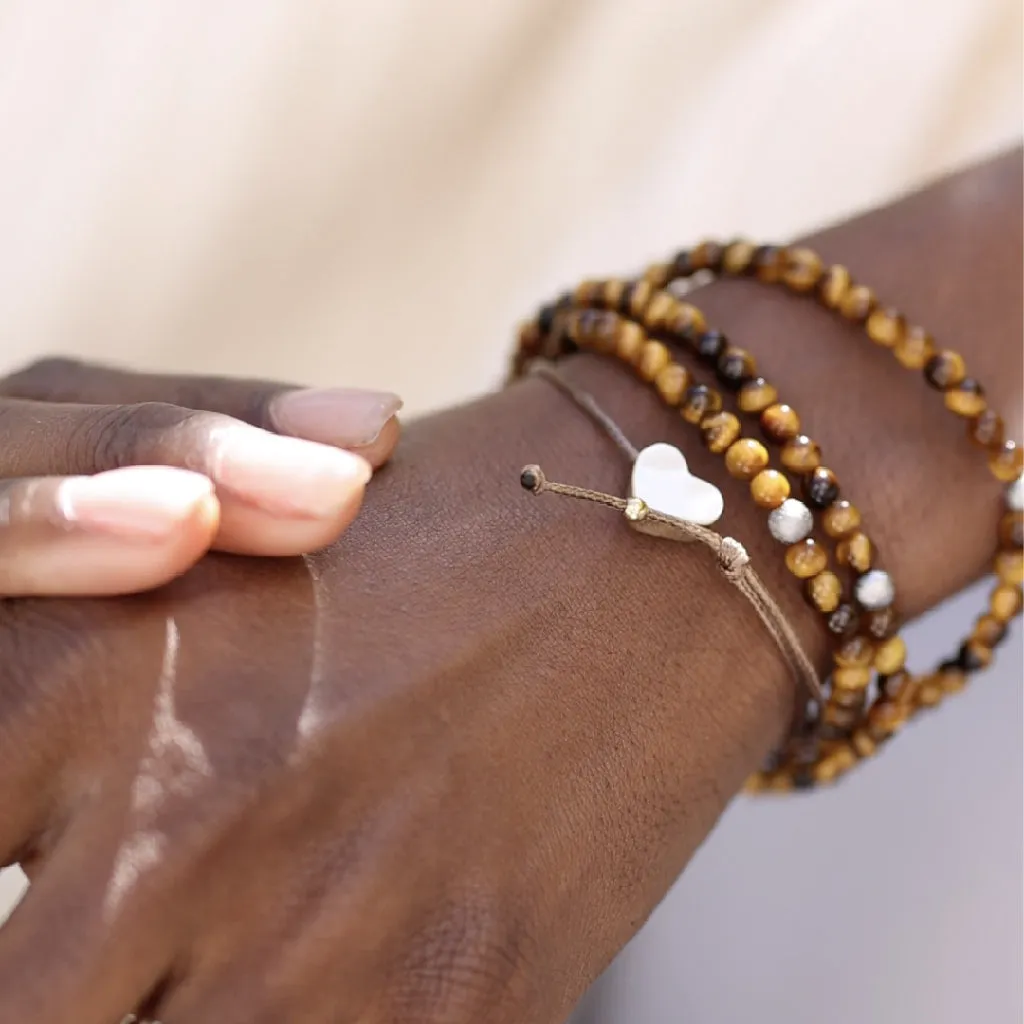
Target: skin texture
[444,770]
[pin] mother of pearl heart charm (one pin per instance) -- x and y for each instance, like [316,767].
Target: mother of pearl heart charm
[663,481]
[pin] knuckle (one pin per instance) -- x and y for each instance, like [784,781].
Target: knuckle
[52,377]
[127,435]
[468,966]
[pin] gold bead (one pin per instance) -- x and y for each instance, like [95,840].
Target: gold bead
[915,348]
[746,458]
[855,551]
[825,591]
[671,382]
[1009,567]
[802,269]
[719,430]
[834,286]
[886,327]
[1007,462]
[806,558]
[654,357]
[840,519]
[769,488]
[630,342]
[1005,601]
[857,303]
[756,395]
[891,655]
[851,678]
[737,257]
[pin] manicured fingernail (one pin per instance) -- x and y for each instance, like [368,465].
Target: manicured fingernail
[344,417]
[284,475]
[138,501]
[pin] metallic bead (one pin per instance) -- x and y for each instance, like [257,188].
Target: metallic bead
[875,590]
[1015,495]
[790,522]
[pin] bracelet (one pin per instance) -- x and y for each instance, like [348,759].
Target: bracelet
[871,694]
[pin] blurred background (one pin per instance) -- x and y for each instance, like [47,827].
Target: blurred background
[372,193]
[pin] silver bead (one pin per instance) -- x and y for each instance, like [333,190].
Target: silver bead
[1015,495]
[790,522]
[875,590]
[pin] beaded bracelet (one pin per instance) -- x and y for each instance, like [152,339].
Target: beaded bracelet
[630,319]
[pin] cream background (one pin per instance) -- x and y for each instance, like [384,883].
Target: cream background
[371,193]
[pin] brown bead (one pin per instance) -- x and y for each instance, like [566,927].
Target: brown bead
[825,591]
[769,488]
[769,263]
[966,399]
[834,285]
[862,743]
[612,292]
[885,718]
[837,762]
[857,652]
[780,422]
[842,718]
[1011,530]
[856,551]
[978,654]
[845,620]
[706,255]
[720,429]
[654,357]
[886,327]
[698,402]
[987,429]
[914,348]
[672,382]
[945,369]
[587,292]
[891,656]
[629,344]
[1010,567]
[737,257]
[988,631]
[806,558]
[746,458]
[849,697]
[929,692]
[1007,461]
[851,678]
[1005,601]
[821,489]
[800,454]
[899,686]
[951,681]
[756,395]
[659,311]
[840,519]
[659,274]
[880,623]
[802,269]
[857,303]
[685,320]
[734,367]
[636,297]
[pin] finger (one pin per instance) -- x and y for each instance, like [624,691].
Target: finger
[278,495]
[114,533]
[360,420]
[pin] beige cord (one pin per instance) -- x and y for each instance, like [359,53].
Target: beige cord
[732,557]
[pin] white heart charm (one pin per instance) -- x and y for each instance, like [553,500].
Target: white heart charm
[663,481]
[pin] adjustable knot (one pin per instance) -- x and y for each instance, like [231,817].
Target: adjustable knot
[732,558]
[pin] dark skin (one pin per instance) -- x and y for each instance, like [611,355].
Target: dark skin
[445,770]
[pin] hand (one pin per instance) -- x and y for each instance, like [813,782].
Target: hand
[113,482]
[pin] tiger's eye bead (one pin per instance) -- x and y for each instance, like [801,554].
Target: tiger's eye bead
[886,327]
[737,257]
[659,274]
[780,422]
[720,429]
[686,321]
[945,369]
[682,263]
[611,292]
[769,488]
[834,285]
[802,269]
[756,395]
[1005,602]
[986,430]
[951,682]
[844,620]
[672,382]
[806,558]
[841,717]
[709,346]
[800,454]
[862,743]
[706,255]
[915,348]
[637,295]
[746,458]
[1009,567]
[659,310]
[1007,461]
[734,367]
[880,623]
[821,487]
[857,303]
[988,631]
[654,357]
[899,686]
[1011,530]
[966,399]
[699,401]
[587,292]
[840,519]
[875,590]
[856,551]
[885,718]
[630,342]
[851,678]
[769,263]
[825,591]
[891,656]
[974,656]
[858,651]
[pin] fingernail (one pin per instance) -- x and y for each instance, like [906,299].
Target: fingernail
[138,501]
[344,417]
[284,475]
